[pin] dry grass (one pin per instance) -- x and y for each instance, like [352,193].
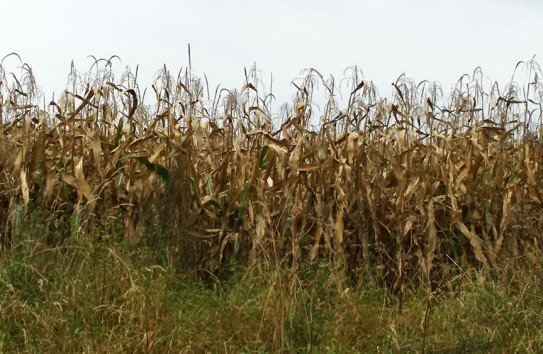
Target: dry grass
[89,297]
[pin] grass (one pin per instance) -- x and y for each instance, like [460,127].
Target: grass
[111,297]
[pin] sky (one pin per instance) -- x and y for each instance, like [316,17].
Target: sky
[425,40]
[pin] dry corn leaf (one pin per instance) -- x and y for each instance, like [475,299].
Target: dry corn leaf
[474,241]
[24,189]
[316,242]
[339,230]
[409,224]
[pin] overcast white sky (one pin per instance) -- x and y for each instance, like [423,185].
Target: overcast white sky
[433,40]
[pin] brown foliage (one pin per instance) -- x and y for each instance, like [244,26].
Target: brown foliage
[400,189]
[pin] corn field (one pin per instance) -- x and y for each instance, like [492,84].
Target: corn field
[415,186]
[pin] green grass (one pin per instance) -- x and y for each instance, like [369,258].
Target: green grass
[85,296]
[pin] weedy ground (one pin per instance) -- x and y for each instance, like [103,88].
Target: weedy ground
[109,297]
[205,223]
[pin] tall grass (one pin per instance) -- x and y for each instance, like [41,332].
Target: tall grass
[87,296]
